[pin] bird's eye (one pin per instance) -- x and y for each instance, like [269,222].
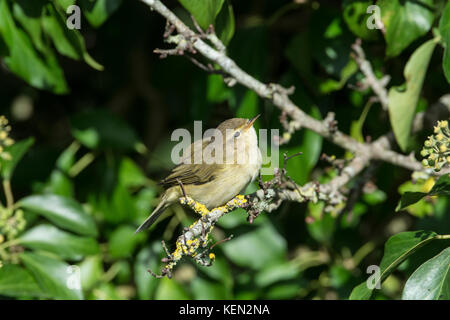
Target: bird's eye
[237,134]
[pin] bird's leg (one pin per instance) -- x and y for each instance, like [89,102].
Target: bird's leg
[182,188]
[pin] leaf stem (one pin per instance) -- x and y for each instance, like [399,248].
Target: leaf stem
[81,164]
[9,243]
[8,193]
[443,236]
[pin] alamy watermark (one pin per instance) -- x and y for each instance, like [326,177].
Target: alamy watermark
[73,281]
[374,21]
[74,20]
[374,281]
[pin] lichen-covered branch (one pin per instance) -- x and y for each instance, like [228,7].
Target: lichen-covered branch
[187,38]
[194,240]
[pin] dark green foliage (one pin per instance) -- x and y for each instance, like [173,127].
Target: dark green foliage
[92,112]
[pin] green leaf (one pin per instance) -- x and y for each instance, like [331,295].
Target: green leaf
[123,242]
[257,248]
[403,102]
[405,21]
[169,289]
[52,275]
[68,42]
[67,246]
[441,187]
[225,23]
[97,12]
[249,106]
[204,11]
[396,250]
[275,273]
[444,30]
[24,61]
[91,271]
[28,14]
[148,257]
[99,129]
[17,151]
[356,16]
[346,73]
[64,4]
[203,289]
[431,281]
[299,167]
[130,175]
[64,212]
[16,281]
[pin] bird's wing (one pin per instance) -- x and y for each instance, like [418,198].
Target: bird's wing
[189,173]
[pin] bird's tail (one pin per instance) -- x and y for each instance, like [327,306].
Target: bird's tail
[153,216]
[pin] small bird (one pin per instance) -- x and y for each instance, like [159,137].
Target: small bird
[214,184]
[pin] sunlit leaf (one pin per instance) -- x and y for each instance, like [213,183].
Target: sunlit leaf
[431,281]
[403,101]
[404,21]
[64,212]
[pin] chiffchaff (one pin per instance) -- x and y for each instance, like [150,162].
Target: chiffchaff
[229,161]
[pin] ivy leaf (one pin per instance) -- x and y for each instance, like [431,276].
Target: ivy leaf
[16,281]
[396,250]
[225,23]
[356,16]
[444,30]
[405,21]
[97,12]
[64,212]
[23,60]
[204,11]
[431,281]
[49,238]
[52,275]
[68,42]
[403,101]
[441,187]
[17,151]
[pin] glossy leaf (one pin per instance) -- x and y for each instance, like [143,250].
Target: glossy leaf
[356,17]
[431,281]
[16,281]
[52,275]
[403,101]
[123,241]
[169,289]
[67,246]
[444,30]
[204,11]
[225,23]
[257,248]
[396,250]
[17,151]
[404,21]
[203,289]
[97,12]
[24,61]
[68,42]
[147,257]
[64,212]
[91,271]
[441,187]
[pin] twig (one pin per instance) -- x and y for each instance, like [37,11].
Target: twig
[377,85]
[280,98]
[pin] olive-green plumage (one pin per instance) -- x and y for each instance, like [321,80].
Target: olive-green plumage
[214,183]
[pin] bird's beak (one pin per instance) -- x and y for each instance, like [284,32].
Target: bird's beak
[251,121]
